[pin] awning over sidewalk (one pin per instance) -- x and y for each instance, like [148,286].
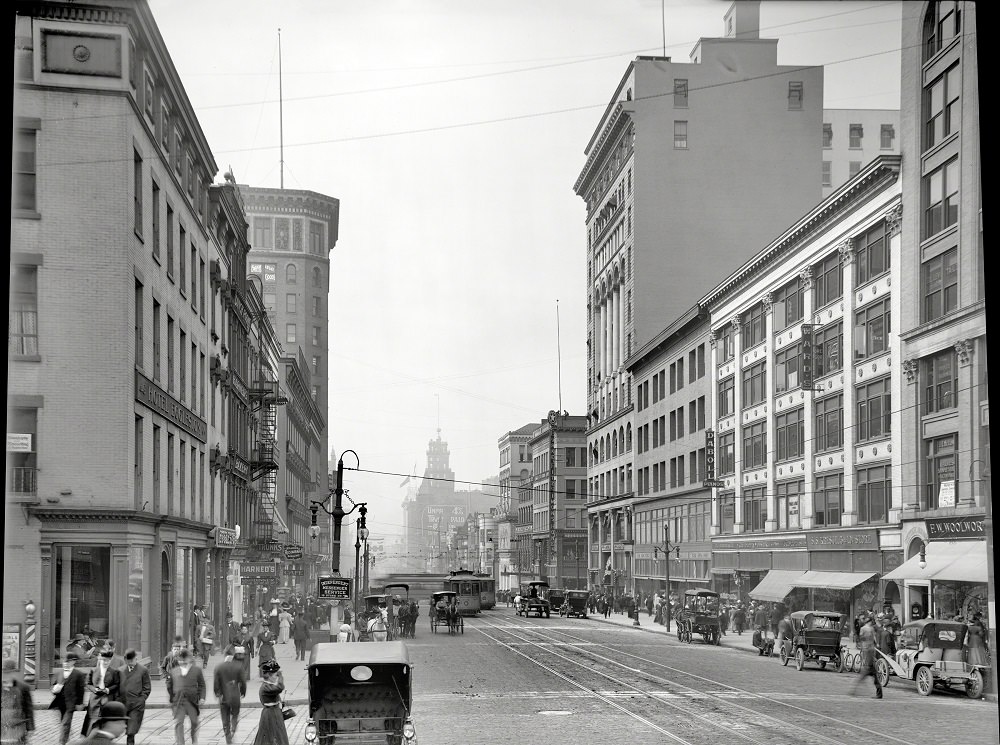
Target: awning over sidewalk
[776,585]
[833,580]
[946,561]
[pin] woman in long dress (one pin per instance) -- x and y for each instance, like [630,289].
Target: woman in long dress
[265,647]
[271,730]
[975,642]
[284,626]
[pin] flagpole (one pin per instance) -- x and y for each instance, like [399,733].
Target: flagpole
[559,356]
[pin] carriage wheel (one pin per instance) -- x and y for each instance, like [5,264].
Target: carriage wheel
[974,685]
[800,658]
[882,672]
[784,655]
[925,681]
[680,633]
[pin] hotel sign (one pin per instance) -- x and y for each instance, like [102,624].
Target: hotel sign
[843,540]
[152,396]
[953,528]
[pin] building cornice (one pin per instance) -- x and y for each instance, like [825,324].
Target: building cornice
[619,117]
[878,173]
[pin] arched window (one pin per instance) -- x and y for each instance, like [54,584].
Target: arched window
[291,274]
[602,448]
[614,445]
[628,438]
[621,437]
[942,24]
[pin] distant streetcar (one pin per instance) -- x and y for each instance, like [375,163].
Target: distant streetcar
[469,588]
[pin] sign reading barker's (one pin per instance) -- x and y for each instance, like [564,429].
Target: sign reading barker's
[333,588]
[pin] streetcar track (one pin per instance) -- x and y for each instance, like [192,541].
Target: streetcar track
[595,694]
[631,691]
[540,629]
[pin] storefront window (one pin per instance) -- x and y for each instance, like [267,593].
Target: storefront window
[958,599]
[83,580]
[182,562]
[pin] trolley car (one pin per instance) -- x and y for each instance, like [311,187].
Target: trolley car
[468,588]
[487,591]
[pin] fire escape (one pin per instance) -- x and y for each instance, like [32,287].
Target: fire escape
[265,398]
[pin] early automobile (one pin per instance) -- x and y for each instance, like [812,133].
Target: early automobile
[575,603]
[535,601]
[700,615]
[930,652]
[360,693]
[556,596]
[816,638]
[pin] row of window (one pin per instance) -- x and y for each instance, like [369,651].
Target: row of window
[796,91]
[185,474]
[696,370]
[291,335]
[856,133]
[292,304]
[286,234]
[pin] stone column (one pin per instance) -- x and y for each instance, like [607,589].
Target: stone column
[118,602]
[46,622]
[771,454]
[621,325]
[966,400]
[713,404]
[899,383]
[738,430]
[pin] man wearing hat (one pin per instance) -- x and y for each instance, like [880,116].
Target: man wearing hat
[186,688]
[230,686]
[133,689]
[867,637]
[110,724]
[102,685]
[68,690]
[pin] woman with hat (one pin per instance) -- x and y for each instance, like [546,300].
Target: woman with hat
[109,725]
[271,730]
[975,641]
[284,623]
[265,646]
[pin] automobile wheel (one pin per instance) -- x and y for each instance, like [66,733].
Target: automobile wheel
[800,658]
[974,685]
[925,681]
[717,638]
[784,656]
[882,672]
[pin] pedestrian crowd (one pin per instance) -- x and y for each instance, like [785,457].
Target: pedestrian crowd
[112,689]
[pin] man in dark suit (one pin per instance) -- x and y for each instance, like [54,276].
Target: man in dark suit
[102,685]
[300,635]
[68,687]
[230,686]
[134,688]
[186,689]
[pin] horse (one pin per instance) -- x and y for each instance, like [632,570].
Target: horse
[378,628]
[403,619]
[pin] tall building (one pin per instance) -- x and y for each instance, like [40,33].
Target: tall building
[730,128]
[942,323]
[805,372]
[852,138]
[292,234]
[514,528]
[118,519]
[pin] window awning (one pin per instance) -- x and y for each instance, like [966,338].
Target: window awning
[280,527]
[946,561]
[833,580]
[776,585]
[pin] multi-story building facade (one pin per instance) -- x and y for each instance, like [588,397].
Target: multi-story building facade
[671,506]
[558,494]
[292,234]
[805,370]
[944,401]
[302,426]
[118,534]
[651,253]
[851,138]
[513,521]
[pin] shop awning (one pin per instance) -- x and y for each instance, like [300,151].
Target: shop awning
[946,561]
[776,585]
[280,527]
[833,580]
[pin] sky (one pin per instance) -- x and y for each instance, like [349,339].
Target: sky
[452,132]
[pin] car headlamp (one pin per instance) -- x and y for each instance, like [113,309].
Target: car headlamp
[408,731]
[311,734]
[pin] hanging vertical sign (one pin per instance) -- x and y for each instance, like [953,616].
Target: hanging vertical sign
[806,359]
[710,480]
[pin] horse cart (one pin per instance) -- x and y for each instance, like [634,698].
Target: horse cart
[445,612]
[700,615]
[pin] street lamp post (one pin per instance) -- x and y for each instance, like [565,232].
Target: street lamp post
[338,514]
[361,534]
[666,551]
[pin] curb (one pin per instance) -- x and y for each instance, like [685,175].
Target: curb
[166,705]
[655,629]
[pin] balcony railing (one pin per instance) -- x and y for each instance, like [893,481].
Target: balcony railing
[22,481]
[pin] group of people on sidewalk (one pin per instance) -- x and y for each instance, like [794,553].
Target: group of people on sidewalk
[113,692]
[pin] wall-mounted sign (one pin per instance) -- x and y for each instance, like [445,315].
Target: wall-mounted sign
[18,443]
[954,528]
[709,456]
[152,396]
[946,494]
[806,358]
[333,588]
[225,538]
[843,540]
[259,569]
[293,551]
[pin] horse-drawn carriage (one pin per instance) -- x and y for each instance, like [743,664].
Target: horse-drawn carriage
[445,612]
[404,611]
[700,615]
[373,620]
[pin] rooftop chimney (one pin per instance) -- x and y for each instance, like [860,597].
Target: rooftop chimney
[743,20]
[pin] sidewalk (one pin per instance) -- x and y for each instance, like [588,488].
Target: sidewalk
[294,673]
[742,642]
